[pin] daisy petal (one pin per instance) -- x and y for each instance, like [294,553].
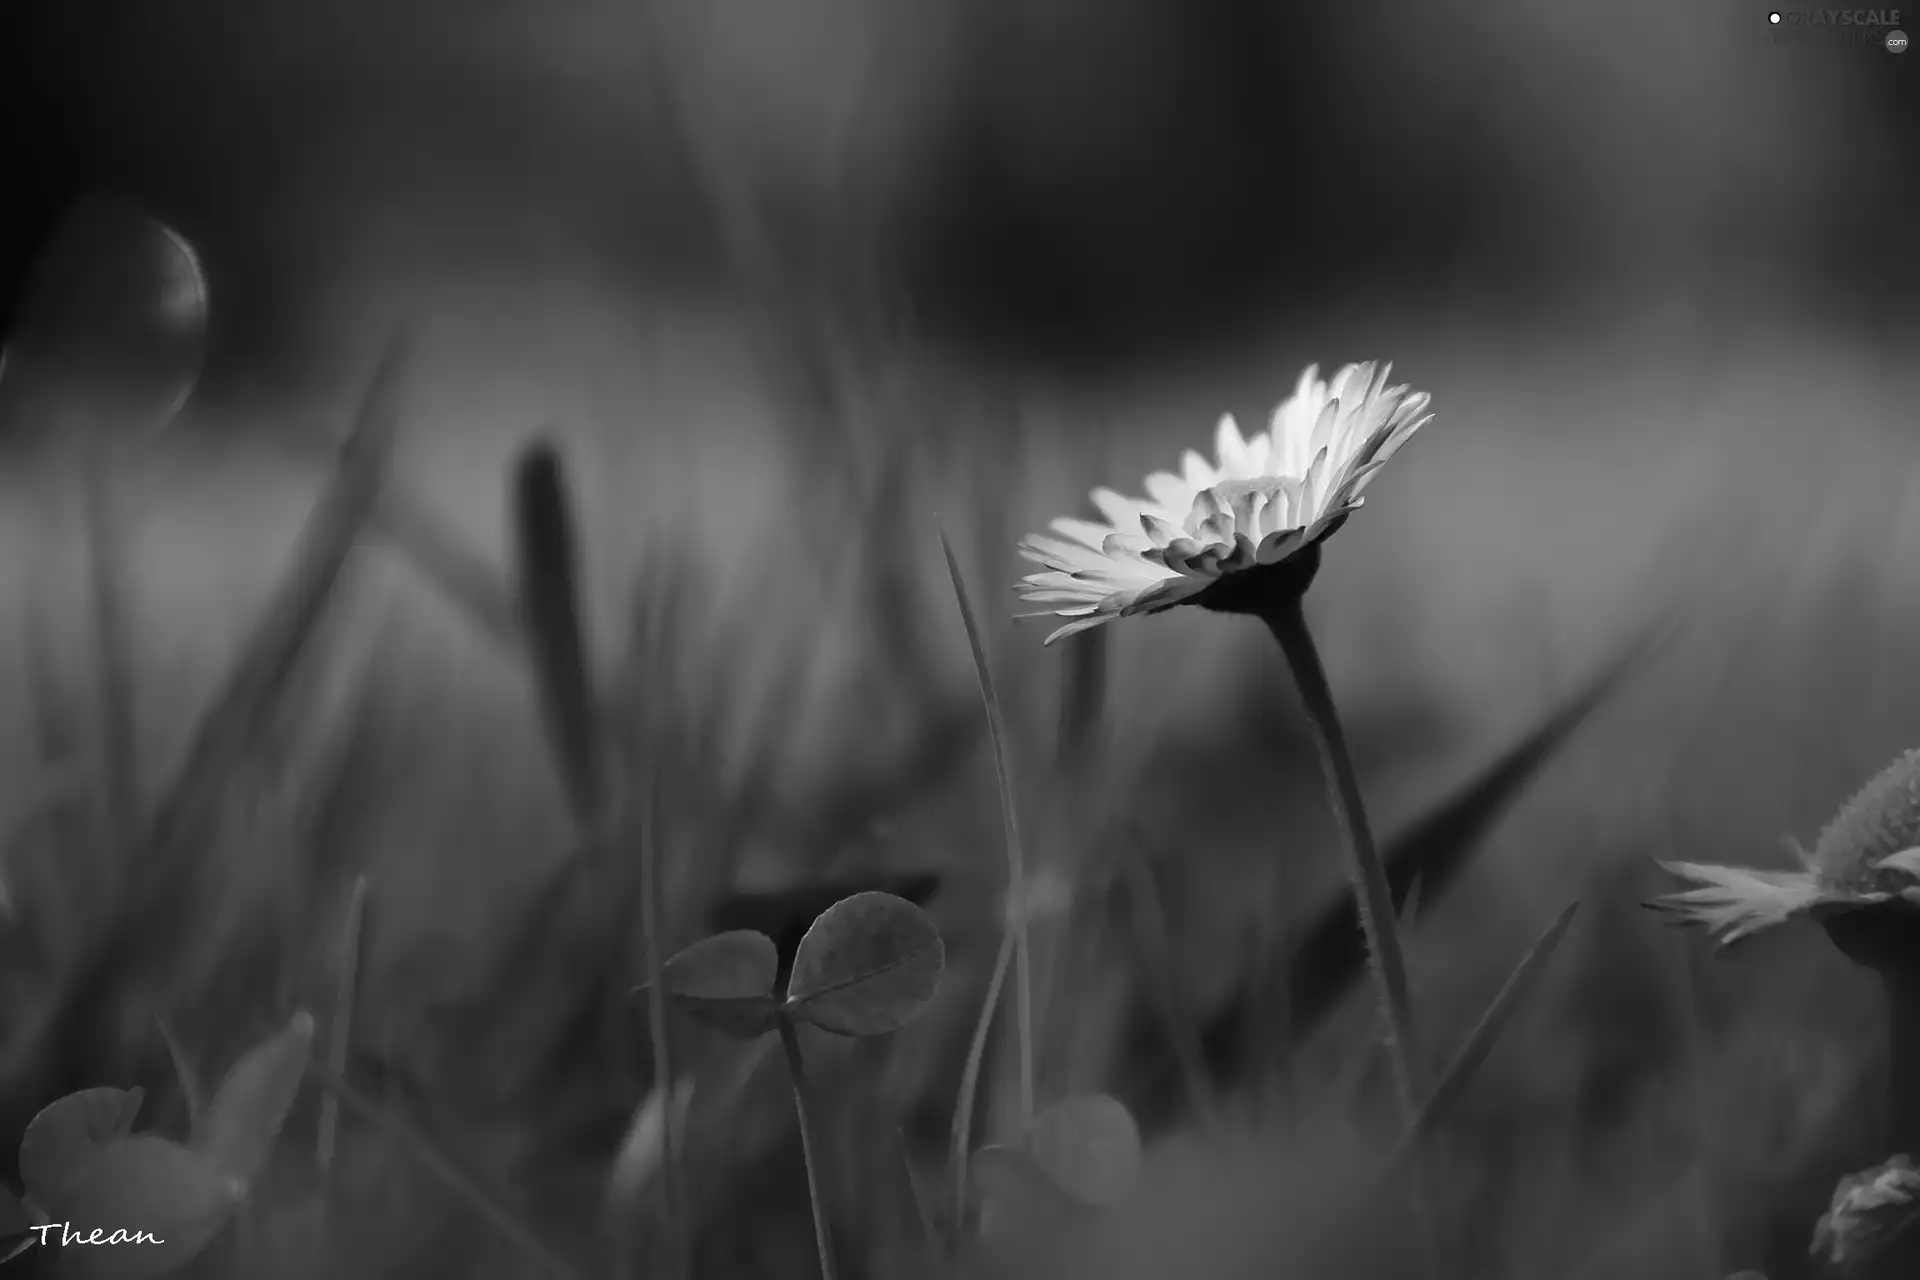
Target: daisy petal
[1737,902]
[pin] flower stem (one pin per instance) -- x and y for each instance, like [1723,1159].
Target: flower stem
[1287,619]
[803,1108]
[1903,1075]
[1372,894]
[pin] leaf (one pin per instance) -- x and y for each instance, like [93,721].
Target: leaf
[138,1184]
[251,1104]
[550,613]
[785,915]
[69,1131]
[726,982]
[1481,1040]
[1089,1146]
[868,966]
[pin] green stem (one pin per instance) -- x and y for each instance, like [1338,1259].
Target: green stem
[803,1108]
[1372,893]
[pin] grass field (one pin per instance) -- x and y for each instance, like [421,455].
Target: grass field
[779,659]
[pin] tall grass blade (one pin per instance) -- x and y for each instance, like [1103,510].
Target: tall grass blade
[1016,859]
[227,730]
[547,571]
[464,576]
[1481,1040]
[185,1074]
[340,1034]
[228,733]
[1453,1082]
[1156,962]
[652,915]
[960,1150]
[489,1207]
[120,801]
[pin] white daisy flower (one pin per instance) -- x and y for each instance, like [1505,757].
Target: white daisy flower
[1231,522]
[1868,856]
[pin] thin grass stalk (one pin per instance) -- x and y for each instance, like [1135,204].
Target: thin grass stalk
[962,1138]
[1150,926]
[464,1187]
[1480,1041]
[228,729]
[922,1211]
[1016,859]
[340,1036]
[652,886]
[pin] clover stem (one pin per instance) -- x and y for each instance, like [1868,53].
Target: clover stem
[803,1109]
[1286,617]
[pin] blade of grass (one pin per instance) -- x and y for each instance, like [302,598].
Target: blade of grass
[228,728]
[489,1207]
[183,1071]
[652,881]
[1156,960]
[120,802]
[154,913]
[960,1147]
[406,522]
[1480,1042]
[340,1037]
[922,1211]
[1016,860]
[547,571]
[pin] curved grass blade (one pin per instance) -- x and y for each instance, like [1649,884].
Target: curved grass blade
[229,727]
[1453,1083]
[1016,858]
[340,1034]
[1481,1040]
[184,1073]
[120,803]
[546,567]
[484,1203]
[441,556]
[229,730]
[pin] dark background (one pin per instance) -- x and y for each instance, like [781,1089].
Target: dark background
[1063,183]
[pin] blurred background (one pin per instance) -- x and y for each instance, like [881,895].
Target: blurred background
[786,282]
